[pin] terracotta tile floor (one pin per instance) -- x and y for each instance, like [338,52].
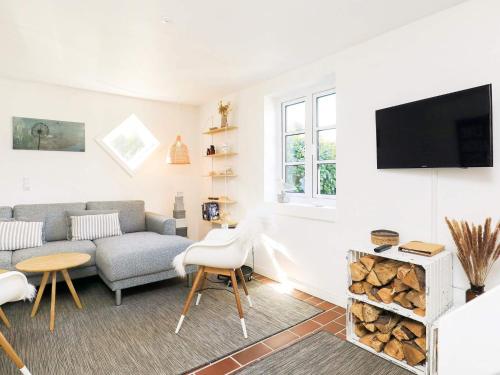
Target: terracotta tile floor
[332,320]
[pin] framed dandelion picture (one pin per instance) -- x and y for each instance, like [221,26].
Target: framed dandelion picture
[47,135]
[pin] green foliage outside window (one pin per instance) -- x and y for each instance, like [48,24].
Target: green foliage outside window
[327,179]
[327,172]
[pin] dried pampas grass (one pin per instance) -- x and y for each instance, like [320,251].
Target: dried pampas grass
[477,248]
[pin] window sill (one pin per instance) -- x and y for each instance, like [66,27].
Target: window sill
[305,211]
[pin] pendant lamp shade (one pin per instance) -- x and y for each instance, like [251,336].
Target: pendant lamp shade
[179,153]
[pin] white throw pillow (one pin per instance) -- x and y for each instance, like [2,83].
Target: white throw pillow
[92,227]
[16,235]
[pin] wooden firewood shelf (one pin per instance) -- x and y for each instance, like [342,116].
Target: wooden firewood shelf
[438,296]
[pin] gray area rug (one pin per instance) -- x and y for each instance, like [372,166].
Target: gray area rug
[323,353]
[138,337]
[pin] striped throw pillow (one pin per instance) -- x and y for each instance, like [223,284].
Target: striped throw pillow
[16,235]
[92,227]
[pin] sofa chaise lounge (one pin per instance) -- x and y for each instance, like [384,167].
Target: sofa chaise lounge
[141,255]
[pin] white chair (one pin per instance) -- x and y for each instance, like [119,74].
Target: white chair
[221,252]
[13,287]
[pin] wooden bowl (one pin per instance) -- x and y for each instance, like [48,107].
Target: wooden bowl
[385,237]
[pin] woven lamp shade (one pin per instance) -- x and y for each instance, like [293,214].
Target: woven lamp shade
[179,153]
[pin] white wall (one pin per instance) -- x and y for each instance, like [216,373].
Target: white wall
[451,50]
[93,175]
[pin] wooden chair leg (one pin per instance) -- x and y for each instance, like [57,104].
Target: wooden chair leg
[238,302]
[244,284]
[187,304]
[12,355]
[4,318]
[200,289]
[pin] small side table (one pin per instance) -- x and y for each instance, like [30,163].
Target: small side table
[50,265]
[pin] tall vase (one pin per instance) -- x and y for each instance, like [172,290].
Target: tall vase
[473,292]
[223,120]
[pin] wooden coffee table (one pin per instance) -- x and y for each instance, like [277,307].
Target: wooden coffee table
[51,264]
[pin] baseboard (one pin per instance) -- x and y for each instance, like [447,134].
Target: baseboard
[327,295]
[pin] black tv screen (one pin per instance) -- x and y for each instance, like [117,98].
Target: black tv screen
[452,130]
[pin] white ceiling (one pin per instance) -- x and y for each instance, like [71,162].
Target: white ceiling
[209,48]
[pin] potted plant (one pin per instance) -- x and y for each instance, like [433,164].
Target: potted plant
[477,250]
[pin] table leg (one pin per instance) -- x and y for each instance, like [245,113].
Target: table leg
[45,277]
[53,302]
[71,288]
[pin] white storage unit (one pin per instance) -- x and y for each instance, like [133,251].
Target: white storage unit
[438,295]
[468,337]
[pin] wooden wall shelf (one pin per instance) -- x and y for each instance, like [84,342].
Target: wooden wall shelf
[221,154]
[230,223]
[220,130]
[222,200]
[220,175]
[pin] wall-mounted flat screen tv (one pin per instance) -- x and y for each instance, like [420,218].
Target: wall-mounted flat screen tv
[452,130]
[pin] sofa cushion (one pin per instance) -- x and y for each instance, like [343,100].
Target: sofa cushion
[53,215]
[83,213]
[5,212]
[132,214]
[86,247]
[137,254]
[6,260]
[15,235]
[92,227]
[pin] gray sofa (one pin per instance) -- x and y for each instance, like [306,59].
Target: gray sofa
[143,254]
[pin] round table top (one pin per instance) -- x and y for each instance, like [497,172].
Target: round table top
[53,262]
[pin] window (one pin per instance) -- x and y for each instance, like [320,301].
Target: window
[294,114]
[309,144]
[130,143]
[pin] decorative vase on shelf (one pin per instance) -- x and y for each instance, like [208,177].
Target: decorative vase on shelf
[223,121]
[225,148]
[478,248]
[224,110]
[473,292]
[283,189]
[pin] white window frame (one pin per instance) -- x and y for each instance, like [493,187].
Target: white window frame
[141,158]
[315,134]
[285,134]
[309,97]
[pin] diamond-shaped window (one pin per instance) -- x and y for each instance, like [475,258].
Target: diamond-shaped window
[130,143]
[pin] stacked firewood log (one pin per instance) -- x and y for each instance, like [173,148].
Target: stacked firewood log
[401,338]
[386,280]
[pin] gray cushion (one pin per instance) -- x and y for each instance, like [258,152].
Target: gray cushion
[137,254]
[6,260]
[83,213]
[86,247]
[132,216]
[54,216]
[24,219]
[5,212]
